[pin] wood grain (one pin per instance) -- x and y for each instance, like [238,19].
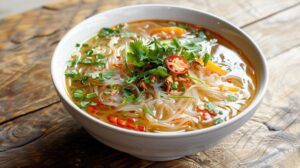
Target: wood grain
[35,131]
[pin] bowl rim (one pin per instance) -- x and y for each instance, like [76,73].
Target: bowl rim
[255,102]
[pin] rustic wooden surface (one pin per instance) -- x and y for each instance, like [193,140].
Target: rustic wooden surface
[35,131]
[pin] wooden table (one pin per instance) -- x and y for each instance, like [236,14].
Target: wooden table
[35,131]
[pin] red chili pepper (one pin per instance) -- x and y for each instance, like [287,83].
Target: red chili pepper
[230,80]
[212,113]
[130,120]
[91,109]
[121,122]
[102,106]
[112,119]
[140,128]
[182,64]
[131,125]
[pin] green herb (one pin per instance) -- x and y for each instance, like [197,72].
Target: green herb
[196,79]
[131,79]
[105,76]
[71,73]
[189,56]
[91,95]
[184,26]
[100,56]
[109,32]
[83,104]
[84,78]
[220,112]
[138,53]
[217,121]
[71,63]
[201,35]
[231,98]
[174,85]
[127,34]
[85,61]
[77,45]
[209,106]
[159,71]
[176,42]
[147,110]
[129,98]
[78,94]
[85,45]
[206,58]
[174,96]
[89,52]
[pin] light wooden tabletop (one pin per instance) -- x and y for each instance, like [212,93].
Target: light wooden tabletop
[35,131]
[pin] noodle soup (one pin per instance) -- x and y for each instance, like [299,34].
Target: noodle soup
[160,76]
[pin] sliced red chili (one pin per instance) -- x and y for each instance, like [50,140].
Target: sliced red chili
[177,64]
[112,119]
[131,125]
[140,128]
[91,109]
[121,122]
[230,80]
[102,106]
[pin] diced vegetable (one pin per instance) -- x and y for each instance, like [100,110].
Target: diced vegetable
[212,67]
[229,88]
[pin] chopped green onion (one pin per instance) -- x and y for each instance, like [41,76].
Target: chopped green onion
[147,110]
[89,52]
[83,104]
[91,95]
[78,94]
[197,79]
[218,121]
[231,98]
[71,73]
[100,56]
[210,106]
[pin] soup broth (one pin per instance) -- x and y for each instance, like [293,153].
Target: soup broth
[160,76]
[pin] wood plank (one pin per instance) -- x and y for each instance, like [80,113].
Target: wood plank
[278,33]
[51,138]
[240,12]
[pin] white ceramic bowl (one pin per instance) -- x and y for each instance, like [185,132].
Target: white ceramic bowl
[146,145]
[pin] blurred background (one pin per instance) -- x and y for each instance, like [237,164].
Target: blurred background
[11,7]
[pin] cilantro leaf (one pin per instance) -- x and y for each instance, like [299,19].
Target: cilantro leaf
[206,58]
[138,53]
[159,71]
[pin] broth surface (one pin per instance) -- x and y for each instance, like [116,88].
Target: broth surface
[160,76]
